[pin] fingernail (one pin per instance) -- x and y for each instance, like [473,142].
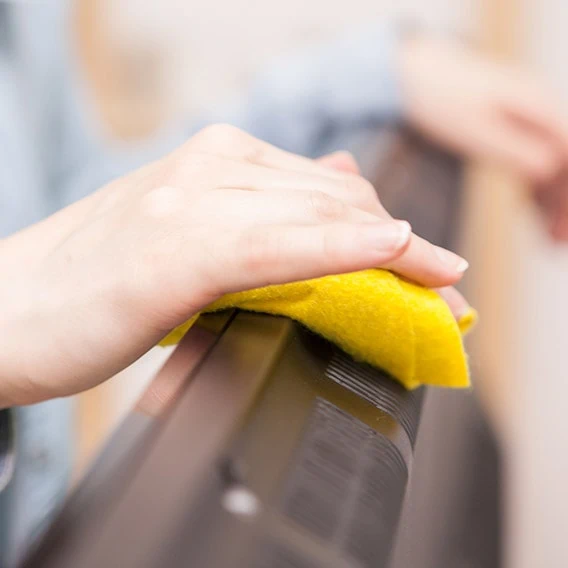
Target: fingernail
[456,302]
[451,259]
[389,236]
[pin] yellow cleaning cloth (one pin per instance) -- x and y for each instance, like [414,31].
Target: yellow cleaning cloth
[376,317]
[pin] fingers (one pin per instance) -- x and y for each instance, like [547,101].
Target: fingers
[553,203]
[226,140]
[422,262]
[262,256]
[341,161]
[409,264]
[254,169]
[535,118]
[456,302]
[551,199]
[526,150]
[339,170]
[538,108]
[351,189]
[428,264]
[336,174]
[280,207]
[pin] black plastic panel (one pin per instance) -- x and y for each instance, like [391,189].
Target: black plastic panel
[378,389]
[347,484]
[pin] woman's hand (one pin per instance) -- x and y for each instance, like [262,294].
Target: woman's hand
[89,290]
[493,111]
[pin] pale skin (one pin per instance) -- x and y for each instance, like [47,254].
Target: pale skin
[93,287]
[492,111]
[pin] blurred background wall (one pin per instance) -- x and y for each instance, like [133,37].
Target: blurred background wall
[539,462]
[186,56]
[150,62]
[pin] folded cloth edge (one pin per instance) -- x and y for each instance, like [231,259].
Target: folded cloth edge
[412,335]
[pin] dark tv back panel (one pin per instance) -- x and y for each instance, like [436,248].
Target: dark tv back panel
[301,459]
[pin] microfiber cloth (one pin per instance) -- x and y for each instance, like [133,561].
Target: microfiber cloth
[375,316]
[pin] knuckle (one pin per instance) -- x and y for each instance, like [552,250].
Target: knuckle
[359,190]
[324,207]
[219,135]
[254,154]
[373,205]
[192,169]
